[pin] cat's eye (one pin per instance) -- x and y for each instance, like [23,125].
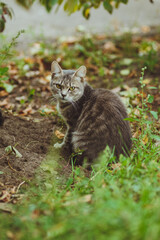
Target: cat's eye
[59,86]
[71,88]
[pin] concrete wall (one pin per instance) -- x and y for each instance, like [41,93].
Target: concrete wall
[135,13]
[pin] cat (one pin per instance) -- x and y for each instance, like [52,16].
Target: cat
[1,118]
[94,117]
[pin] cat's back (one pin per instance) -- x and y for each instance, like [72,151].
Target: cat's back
[102,123]
[103,101]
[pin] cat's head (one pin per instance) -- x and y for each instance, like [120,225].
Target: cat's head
[67,85]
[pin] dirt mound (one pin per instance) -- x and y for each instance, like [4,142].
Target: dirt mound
[31,139]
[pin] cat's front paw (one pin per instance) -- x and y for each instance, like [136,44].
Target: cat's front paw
[58,145]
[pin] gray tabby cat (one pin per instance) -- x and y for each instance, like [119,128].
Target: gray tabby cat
[94,117]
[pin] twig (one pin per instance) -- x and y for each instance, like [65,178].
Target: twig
[30,143]
[19,186]
[4,155]
[11,166]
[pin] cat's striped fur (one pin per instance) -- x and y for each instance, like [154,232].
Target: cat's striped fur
[94,117]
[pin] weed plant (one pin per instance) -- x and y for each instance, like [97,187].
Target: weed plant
[5,53]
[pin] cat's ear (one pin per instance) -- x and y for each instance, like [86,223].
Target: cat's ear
[55,68]
[81,72]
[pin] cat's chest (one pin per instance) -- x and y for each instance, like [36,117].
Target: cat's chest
[58,108]
[60,111]
[68,113]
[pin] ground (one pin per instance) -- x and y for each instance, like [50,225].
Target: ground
[31,139]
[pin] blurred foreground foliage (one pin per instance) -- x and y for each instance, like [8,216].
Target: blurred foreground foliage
[4,11]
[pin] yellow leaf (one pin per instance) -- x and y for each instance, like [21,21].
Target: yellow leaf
[87,12]
[59,134]
[110,47]
[146,81]
[145,140]
[116,166]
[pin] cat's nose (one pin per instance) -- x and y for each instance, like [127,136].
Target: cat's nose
[63,95]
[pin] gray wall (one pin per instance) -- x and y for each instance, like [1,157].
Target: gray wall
[135,13]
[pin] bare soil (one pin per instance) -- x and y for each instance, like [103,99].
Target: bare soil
[31,139]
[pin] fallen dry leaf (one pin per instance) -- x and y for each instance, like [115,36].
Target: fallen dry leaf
[6,207]
[101,36]
[145,29]
[147,81]
[4,102]
[116,90]
[116,165]
[67,40]
[27,111]
[59,134]
[6,196]
[30,74]
[3,93]
[85,199]
[110,47]
[29,60]
[10,235]
[35,214]
[145,140]
[41,66]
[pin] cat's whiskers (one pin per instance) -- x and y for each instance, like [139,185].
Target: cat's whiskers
[74,105]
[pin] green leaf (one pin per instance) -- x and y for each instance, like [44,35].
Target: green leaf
[80,48]
[71,6]
[155,137]
[8,87]
[69,182]
[1,172]
[101,72]
[26,4]
[152,87]
[120,1]
[131,119]
[13,150]
[53,2]
[48,4]
[154,114]
[107,5]
[125,72]
[124,1]
[48,185]
[2,79]
[126,61]
[3,70]
[86,12]
[150,98]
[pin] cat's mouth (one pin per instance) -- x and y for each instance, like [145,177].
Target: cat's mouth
[63,99]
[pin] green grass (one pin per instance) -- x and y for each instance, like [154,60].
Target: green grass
[119,203]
